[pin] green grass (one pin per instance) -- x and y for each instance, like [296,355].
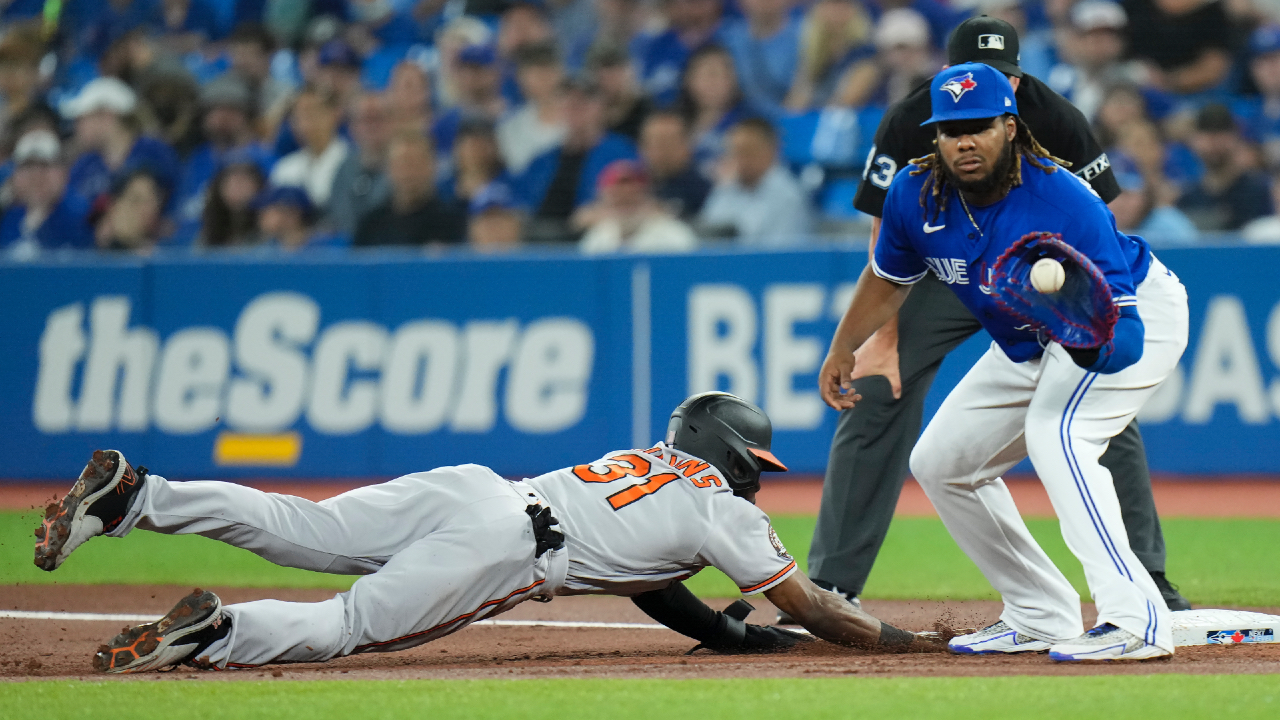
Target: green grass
[1168,697]
[1217,562]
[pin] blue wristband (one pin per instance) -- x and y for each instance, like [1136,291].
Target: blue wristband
[1125,347]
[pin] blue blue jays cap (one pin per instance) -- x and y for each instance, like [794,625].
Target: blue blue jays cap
[478,55]
[970,91]
[288,196]
[1265,39]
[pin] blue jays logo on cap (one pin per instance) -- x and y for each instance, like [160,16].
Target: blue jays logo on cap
[969,92]
[959,86]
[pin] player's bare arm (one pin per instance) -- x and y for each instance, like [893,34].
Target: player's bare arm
[832,617]
[875,301]
[878,356]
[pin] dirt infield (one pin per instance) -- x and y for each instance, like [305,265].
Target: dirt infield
[61,648]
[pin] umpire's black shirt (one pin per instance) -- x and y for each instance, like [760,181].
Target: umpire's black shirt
[1053,120]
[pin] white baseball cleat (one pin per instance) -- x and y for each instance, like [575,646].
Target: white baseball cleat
[1106,642]
[996,639]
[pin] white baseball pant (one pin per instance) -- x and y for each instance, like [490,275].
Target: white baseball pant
[1063,418]
[439,550]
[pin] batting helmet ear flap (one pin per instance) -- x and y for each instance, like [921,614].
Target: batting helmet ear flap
[728,432]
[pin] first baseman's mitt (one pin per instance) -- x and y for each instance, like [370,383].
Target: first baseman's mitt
[1080,315]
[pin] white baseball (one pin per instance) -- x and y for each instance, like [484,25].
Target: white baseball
[1047,275]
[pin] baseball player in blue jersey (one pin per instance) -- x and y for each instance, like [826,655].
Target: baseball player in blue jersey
[988,184]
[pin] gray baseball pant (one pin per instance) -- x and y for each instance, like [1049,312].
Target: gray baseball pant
[438,550]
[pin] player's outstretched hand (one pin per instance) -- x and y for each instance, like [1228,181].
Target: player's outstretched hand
[835,382]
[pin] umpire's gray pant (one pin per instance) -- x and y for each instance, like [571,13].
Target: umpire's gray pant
[872,446]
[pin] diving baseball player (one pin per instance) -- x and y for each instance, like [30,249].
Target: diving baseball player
[953,214]
[872,442]
[442,549]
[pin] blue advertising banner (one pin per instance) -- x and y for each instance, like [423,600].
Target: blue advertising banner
[374,366]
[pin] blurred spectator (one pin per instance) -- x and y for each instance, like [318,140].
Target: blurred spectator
[360,183]
[43,215]
[230,213]
[476,162]
[632,219]
[834,52]
[538,125]
[904,59]
[625,106]
[108,142]
[662,57]
[250,48]
[1140,210]
[94,25]
[522,23]
[574,24]
[1186,44]
[132,217]
[756,200]
[765,44]
[1265,230]
[339,70]
[711,102]
[1037,46]
[408,98]
[379,23]
[1095,53]
[1165,168]
[169,107]
[1123,105]
[286,220]
[460,33]
[19,75]
[413,215]
[314,120]
[1229,193]
[479,86]
[564,178]
[1261,114]
[188,25]
[617,22]
[496,222]
[228,131]
[668,156]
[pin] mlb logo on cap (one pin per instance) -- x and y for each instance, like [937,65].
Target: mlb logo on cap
[990,42]
[971,91]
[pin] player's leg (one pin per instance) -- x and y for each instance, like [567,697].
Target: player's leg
[353,533]
[1126,459]
[478,566]
[1072,418]
[976,436]
[872,443]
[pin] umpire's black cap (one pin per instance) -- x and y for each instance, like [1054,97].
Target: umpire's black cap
[987,40]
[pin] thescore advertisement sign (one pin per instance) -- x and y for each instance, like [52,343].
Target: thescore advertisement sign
[380,365]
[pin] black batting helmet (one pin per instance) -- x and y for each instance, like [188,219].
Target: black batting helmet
[728,432]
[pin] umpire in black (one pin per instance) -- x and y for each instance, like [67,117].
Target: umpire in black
[873,441]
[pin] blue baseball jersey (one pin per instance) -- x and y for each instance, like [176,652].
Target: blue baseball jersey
[913,243]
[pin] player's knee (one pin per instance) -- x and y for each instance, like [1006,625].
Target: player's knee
[928,465]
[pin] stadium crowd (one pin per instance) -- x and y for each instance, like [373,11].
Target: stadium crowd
[654,125]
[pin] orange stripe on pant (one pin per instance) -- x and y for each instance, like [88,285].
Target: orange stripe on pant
[428,631]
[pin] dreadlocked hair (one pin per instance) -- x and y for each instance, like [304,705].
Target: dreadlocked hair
[1024,146]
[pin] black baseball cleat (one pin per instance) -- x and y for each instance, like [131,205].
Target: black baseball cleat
[194,624]
[96,505]
[1170,593]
